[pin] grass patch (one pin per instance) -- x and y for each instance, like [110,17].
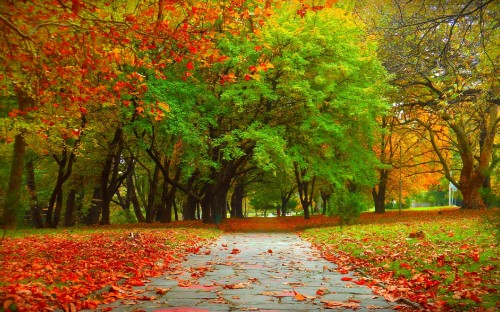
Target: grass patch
[451,264]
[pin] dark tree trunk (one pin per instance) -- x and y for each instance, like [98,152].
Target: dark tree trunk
[69,214]
[136,205]
[35,210]
[12,202]
[176,212]
[305,188]
[189,208]
[206,204]
[237,201]
[58,209]
[325,198]
[285,198]
[65,163]
[131,192]
[105,201]
[161,206]
[153,188]
[80,218]
[95,208]
[110,177]
[379,192]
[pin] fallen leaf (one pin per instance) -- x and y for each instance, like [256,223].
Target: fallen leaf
[298,296]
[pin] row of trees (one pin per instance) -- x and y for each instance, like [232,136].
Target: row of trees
[154,103]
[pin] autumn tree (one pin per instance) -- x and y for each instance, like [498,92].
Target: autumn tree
[444,58]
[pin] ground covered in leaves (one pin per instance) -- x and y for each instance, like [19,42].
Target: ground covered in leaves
[442,260]
[445,260]
[69,268]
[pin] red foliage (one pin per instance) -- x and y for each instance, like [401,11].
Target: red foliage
[65,270]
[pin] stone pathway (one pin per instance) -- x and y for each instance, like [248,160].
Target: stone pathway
[256,272]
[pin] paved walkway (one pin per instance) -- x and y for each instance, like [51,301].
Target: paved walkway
[256,272]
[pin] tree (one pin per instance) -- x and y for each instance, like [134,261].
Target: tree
[331,89]
[446,63]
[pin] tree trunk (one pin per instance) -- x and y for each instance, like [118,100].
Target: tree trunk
[285,199]
[378,193]
[69,214]
[325,197]
[153,187]
[206,204]
[237,201]
[306,190]
[65,164]
[176,212]
[13,199]
[58,209]
[35,210]
[95,208]
[189,208]
[131,192]
[470,183]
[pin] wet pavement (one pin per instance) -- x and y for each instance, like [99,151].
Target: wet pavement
[255,272]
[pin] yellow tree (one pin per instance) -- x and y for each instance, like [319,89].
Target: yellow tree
[444,57]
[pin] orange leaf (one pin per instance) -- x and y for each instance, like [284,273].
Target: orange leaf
[184,283]
[345,279]
[298,296]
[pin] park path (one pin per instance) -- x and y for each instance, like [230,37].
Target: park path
[256,272]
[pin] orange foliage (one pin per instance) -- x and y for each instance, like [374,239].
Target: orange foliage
[81,264]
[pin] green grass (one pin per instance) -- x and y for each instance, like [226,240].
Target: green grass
[459,250]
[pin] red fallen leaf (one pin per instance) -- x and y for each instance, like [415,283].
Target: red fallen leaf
[116,289]
[322,291]
[391,297]
[270,251]
[224,245]
[330,304]
[135,282]
[190,66]
[161,291]
[146,298]
[440,261]
[235,286]
[247,77]
[298,296]
[184,283]
[342,271]
[346,279]
[475,256]
[405,266]
[475,298]
[235,251]
[360,282]
[7,304]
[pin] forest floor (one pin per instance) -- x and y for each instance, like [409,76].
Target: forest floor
[440,260]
